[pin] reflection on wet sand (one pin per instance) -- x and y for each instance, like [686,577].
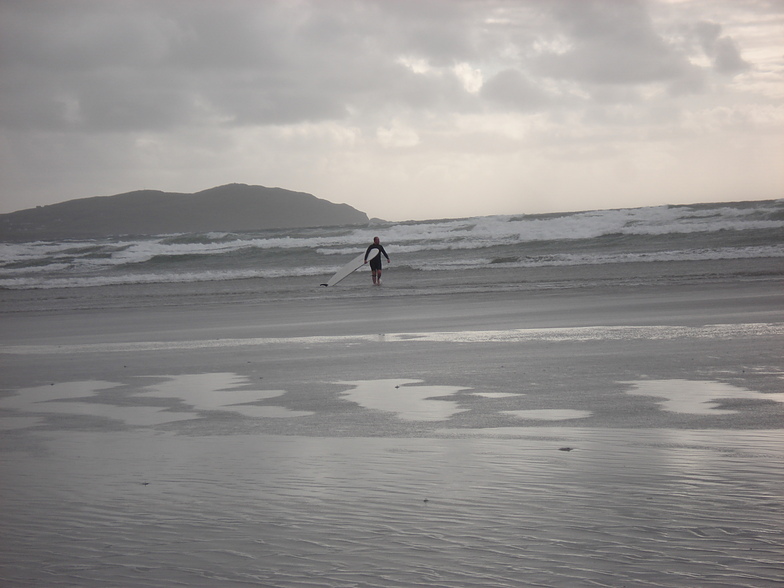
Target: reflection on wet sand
[188,395]
[405,398]
[696,396]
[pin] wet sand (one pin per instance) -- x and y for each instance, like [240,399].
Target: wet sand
[607,437]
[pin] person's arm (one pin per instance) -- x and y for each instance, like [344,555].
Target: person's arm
[381,248]
[367,252]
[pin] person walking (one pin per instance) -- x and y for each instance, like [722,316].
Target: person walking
[375,263]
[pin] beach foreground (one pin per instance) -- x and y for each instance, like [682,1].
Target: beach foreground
[617,436]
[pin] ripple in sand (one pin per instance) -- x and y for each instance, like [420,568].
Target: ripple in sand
[558,414]
[696,396]
[12,423]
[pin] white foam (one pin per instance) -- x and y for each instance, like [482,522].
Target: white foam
[47,283]
[576,259]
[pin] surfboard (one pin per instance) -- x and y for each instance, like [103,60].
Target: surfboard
[350,267]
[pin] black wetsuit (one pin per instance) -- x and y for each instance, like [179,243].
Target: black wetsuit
[375,263]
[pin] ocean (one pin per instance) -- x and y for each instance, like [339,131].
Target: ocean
[661,244]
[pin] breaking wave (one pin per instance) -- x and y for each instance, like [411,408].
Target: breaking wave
[747,230]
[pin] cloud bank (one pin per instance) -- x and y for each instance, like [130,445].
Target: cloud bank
[403,109]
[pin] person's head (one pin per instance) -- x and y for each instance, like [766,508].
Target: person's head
[375,240]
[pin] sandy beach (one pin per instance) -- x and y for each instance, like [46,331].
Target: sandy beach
[603,436]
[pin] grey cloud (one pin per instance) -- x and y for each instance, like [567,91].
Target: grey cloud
[513,90]
[85,66]
[727,59]
[230,37]
[260,103]
[722,51]
[612,43]
[693,80]
[156,65]
[439,30]
[79,35]
[93,101]
[127,102]
[110,66]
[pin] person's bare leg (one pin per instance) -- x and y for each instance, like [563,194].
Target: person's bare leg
[373,272]
[378,278]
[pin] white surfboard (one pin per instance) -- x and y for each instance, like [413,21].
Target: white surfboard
[350,267]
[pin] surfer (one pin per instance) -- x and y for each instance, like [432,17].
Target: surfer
[375,263]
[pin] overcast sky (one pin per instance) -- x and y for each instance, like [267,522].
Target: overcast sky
[404,109]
